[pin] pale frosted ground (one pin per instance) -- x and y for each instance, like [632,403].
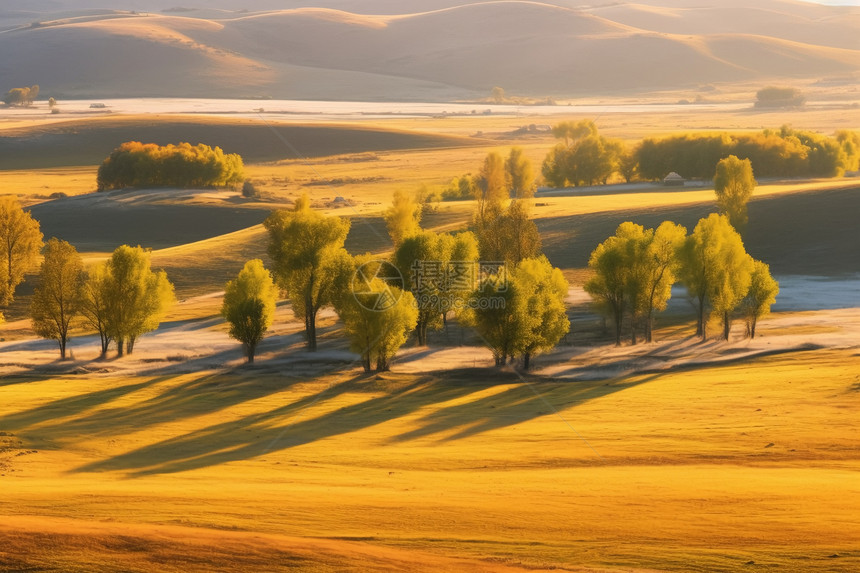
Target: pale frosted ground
[810,313]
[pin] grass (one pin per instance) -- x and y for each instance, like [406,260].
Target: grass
[700,470]
[747,466]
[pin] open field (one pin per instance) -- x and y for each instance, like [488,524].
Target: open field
[675,456]
[751,464]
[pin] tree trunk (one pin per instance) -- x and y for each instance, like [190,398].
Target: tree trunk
[752,326]
[310,325]
[365,362]
[62,342]
[526,360]
[250,350]
[619,318]
[421,330]
[120,347]
[727,324]
[633,322]
[649,327]
[700,319]
[129,346]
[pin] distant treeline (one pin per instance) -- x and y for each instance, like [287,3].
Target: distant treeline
[135,164]
[774,153]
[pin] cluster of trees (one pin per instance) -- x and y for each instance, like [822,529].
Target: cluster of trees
[513,174]
[21,96]
[494,279]
[773,153]
[121,299]
[779,97]
[584,157]
[634,271]
[135,164]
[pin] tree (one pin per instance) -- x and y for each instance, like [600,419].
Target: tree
[760,296]
[734,184]
[95,304]
[422,260]
[136,297]
[20,243]
[585,157]
[660,258]
[628,165]
[512,236]
[610,284]
[403,218]
[490,189]
[21,96]
[377,330]
[57,297]
[520,174]
[779,97]
[52,103]
[496,312]
[715,269]
[498,95]
[544,289]
[307,252]
[249,305]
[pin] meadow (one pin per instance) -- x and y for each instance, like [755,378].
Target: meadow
[676,456]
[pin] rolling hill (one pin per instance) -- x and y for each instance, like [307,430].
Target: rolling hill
[440,51]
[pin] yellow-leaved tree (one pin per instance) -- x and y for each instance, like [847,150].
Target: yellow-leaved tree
[58,295]
[249,305]
[20,243]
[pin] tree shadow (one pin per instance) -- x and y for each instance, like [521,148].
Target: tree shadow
[283,428]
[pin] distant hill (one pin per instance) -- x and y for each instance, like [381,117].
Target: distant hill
[444,51]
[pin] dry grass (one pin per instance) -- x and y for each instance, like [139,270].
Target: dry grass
[700,470]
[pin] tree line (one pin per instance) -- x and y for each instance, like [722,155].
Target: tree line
[585,157]
[135,164]
[493,278]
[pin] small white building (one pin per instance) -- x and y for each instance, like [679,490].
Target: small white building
[674,180]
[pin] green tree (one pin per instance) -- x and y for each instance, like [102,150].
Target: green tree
[21,96]
[660,263]
[376,328]
[850,142]
[760,296]
[511,236]
[58,294]
[585,157]
[610,284]
[497,313]
[422,260]
[249,305]
[95,304]
[403,218]
[307,252]
[136,297]
[716,270]
[52,102]
[20,243]
[520,174]
[490,190]
[734,184]
[544,316]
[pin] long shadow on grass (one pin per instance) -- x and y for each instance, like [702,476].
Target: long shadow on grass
[290,425]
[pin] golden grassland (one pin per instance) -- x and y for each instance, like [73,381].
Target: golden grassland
[701,470]
[745,466]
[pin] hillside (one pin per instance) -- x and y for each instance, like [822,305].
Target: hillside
[438,52]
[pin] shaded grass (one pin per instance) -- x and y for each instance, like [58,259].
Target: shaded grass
[88,142]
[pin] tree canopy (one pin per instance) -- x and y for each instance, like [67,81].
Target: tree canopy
[135,164]
[403,217]
[21,96]
[249,305]
[734,184]
[20,243]
[306,248]
[57,297]
[716,270]
[760,296]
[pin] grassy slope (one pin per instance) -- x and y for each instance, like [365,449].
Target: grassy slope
[699,470]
